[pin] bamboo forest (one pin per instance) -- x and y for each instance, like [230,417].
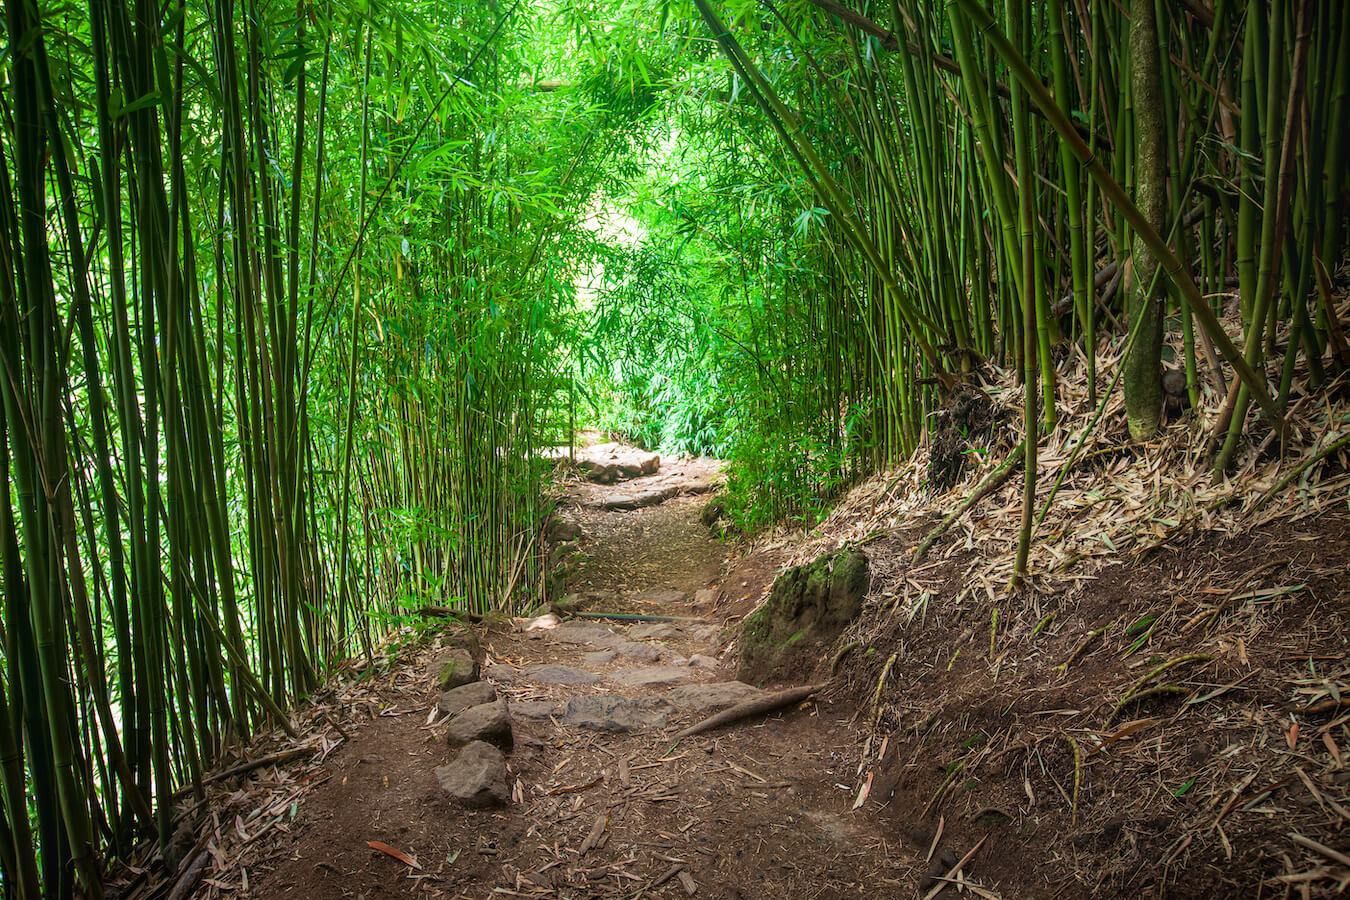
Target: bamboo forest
[721,448]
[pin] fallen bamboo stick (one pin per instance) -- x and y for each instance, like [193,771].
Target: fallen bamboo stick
[754,707]
[991,482]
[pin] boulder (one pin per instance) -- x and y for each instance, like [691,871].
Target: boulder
[464,696]
[453,668]
[712,695]
[608,463]
[610,713]
[808,607]
[485,722]
[476,777]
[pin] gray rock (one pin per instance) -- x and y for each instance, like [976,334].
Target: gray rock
[608,463]
[705,599]
[609,713]
[640,499]
[454,668]
[592,633]
[640,652]
[600,657]
[534,709]
[700,661]
[464,696]
[661,595]
[655,675]
[712,695]
[476,777]
[704,634]
[552,674]
[486,722]
[653,631]
[562,529]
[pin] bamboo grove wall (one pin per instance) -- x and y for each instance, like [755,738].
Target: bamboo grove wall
[270,327]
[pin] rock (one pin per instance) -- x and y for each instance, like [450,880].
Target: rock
[534,709]
[562,529]
[704,634]
[454,668]
[609,713]
[592,633]
[705,599]
[654,675]
[458,636]
[638,651]
[698,660]
[476,777]
[639,499]
[653,631]
[600,657]
[464,696]
[486,722]
[668,596]
[548,673]
[712,695]
[809,606]
[608,463]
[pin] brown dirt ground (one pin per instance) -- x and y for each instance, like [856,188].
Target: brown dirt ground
[1007,744]
[756,811]
[1190,793]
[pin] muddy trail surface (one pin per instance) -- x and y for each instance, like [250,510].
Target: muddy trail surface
[597,797]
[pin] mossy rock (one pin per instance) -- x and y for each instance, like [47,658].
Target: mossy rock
[808,608]
[454,668]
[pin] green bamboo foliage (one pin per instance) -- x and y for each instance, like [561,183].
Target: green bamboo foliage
[1041,174]
[183,370]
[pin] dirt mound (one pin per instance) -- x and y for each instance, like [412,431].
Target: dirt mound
[808,607]
[1169,727]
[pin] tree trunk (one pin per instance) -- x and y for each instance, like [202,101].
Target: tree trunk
[1143,366]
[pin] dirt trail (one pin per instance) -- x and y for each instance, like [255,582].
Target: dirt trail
[756,811]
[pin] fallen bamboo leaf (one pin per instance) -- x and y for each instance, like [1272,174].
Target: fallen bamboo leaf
[394,852]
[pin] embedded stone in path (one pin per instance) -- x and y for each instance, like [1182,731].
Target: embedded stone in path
[640,652]
[599,657]
[593,633]
[703,662]
[534,709]
[548,673]
[476,777]
[454,668]
[639,499]
[655,675]
[610,713]
[712,695]
[485,722]
[653,631]
[661,595]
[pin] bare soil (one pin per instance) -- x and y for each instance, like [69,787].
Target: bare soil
[756,811]
[1174,724]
